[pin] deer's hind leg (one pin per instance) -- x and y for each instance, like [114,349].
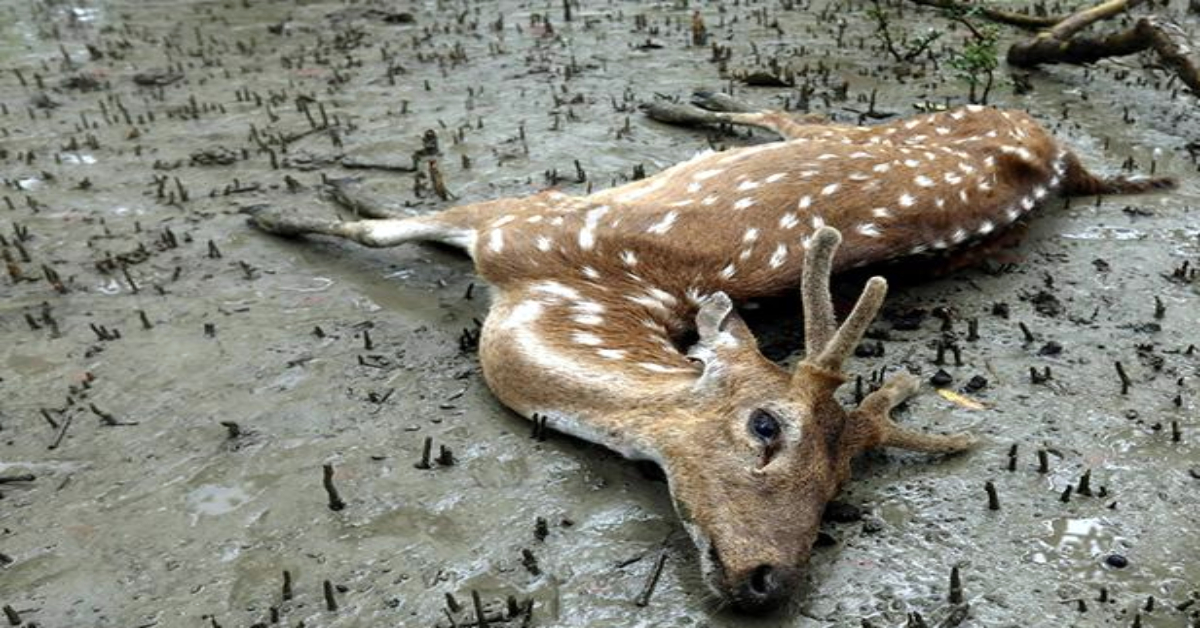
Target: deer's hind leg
[716,108]
[372,233]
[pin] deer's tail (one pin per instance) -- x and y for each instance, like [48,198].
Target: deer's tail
[1080,182]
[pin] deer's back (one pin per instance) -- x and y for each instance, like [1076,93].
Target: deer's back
[740,220]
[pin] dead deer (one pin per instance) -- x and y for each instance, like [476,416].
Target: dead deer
[592,296]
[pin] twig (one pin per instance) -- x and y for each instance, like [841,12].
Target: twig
[643,598]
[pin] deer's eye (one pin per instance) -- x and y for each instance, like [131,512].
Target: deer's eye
[764,425]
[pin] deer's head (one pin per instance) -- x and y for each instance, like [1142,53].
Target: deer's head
[756,454]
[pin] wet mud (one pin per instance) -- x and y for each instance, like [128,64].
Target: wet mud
[173,384]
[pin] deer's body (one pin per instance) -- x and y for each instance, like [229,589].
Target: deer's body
[592,295]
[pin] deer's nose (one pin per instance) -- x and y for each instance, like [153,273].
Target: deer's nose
[765,588]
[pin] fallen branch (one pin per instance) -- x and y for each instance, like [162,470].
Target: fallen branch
[1019,20]
[1058,46]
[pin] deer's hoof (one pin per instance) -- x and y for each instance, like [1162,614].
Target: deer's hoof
[961,442]
[272,220]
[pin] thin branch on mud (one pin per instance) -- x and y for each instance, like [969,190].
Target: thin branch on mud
[1019,20]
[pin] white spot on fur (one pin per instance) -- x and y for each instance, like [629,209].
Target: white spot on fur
[659,368]
[590,273]
[587,307]
[805,202]
[543,243]
[830,189]
[775,177]
[629,258]
[747,185]
[743,203]
[587,235]
[496,241]
[779,256]
[751,235]
[987,227]
[923,181]
[881,212]
[817,222]
[664,225]
[728,271]
[708,200]
[906,200]
[869,229]
[589,319]
[611,354]
[556,289]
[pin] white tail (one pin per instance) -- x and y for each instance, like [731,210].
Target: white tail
[592,295]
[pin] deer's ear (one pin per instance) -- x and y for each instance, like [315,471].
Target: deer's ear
[721,331]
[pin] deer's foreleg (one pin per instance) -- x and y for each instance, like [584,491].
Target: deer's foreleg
[876,410]
[373,233]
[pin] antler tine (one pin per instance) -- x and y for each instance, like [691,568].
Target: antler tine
[819,322]
[855,325]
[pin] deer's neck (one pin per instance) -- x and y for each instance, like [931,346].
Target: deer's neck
[591,359]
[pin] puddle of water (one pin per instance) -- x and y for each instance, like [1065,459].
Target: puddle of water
[212,500]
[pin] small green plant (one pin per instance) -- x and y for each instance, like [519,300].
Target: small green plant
[977,60]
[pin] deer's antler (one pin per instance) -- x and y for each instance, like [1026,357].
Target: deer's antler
[826,344]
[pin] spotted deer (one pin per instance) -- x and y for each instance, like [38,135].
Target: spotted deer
[594,295]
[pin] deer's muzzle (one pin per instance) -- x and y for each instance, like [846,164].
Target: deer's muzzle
[764,588]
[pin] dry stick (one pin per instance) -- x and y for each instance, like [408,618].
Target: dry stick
[993,498]
[8,479]
[1004,17]
[335,500]
[62,431]
[330,601]
[287,585]
[480,619]
[1124,378]
[956,593]
[426,451]
[1085,483]
[643,598]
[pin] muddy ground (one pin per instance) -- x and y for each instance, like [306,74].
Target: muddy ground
[143,323]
